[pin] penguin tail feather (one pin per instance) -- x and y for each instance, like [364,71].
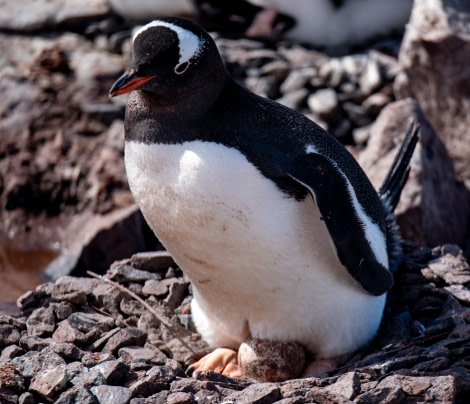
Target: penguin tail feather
[391,189]
[397,176]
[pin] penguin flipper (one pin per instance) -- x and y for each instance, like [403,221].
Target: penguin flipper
[359,242]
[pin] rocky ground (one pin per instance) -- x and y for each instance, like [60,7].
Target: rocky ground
[63,189]
[127,338]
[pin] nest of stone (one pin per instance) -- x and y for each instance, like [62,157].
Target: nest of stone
[128,336]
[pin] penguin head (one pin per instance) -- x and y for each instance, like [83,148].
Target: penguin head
[171,58]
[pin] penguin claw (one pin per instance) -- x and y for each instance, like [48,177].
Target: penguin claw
[221,360]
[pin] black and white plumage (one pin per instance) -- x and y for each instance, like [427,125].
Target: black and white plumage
[278,228]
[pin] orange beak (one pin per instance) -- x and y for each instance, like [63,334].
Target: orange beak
[127,82]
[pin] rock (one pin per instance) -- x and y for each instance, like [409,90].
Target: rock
[62,310]
[434,208]
[156,288]
[125,336]
[126,272]
[296,80]
[356,114]
[41,322]
[26,398]
[50,375]
[453,270]
[47,14]
[67,351]
[375,103]
[178,291]
[77,395]
[9,335]
[10,352]
[8,396]
[271,361]
[180,398]
[11,378]
[434,59]
[66,332]
[370,77]
[110,237]
[397,387]
[86,322]
[143,354]
[111,394]
[324,104]
[153,261]
[156,379]
[113,371]
[31,343]
[259,393]
[294,99]
[347,386]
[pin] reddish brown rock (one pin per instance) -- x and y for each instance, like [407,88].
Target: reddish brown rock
[434,58]
[434,208]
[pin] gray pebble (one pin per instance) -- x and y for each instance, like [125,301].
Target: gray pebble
[324,103]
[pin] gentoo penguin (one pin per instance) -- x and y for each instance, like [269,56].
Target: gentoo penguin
[336,23]
[278,228]
[143,10]
[326,23]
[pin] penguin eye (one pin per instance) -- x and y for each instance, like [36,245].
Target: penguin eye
[181,68]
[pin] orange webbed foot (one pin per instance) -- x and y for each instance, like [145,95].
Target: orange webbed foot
[221,360]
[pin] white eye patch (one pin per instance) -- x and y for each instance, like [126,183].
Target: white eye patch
[189,44]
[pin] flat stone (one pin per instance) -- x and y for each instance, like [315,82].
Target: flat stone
[126,336]
[153,261]
[111,394]
[86,322]
[143,354]
[94,358]
[180,398]
[130,274]
[156,287]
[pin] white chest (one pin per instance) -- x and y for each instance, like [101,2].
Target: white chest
[256,258]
